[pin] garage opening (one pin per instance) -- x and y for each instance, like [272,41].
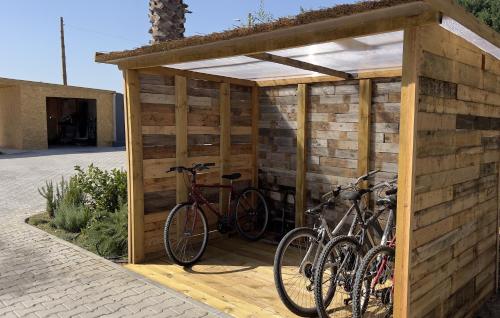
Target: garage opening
[71,122]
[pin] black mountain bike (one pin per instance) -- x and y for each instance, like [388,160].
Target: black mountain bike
[340,259]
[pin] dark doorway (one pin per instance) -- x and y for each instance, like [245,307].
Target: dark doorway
[71,122]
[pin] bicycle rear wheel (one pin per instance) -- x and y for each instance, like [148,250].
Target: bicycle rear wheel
[185,234]
[373,293]
[336,266]
[252,214]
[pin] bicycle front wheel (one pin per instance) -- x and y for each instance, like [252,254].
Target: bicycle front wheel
[185,234]
[374,285]
[336,267]
[294,271]
[252,214]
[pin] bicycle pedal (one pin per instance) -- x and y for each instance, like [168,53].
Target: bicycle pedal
[347,301]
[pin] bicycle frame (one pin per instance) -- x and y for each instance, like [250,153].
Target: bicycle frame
[198,196]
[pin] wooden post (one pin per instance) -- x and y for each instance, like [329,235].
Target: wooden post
[134,167]
[255,136]
[497,272]
[365,103]
[406,171]
[181,134]
[300,181]
[225,141]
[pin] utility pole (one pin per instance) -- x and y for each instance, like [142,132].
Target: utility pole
[63,52]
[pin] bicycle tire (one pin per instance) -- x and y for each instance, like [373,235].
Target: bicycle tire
[359,308]
[286,299]
[167,230]
[320,266]
[240,229]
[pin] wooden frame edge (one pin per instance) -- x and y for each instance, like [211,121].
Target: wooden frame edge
[135,167]
[406,171]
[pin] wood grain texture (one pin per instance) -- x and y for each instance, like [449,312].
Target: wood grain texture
[300,182]
[181,133]
[365,104]
[225,141]
[135,169]
[406,173]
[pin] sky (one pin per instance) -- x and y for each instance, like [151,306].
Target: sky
[29,33]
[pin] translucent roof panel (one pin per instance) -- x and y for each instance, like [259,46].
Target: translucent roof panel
[373,52]
[458,29]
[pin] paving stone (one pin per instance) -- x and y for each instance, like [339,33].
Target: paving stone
[42,276]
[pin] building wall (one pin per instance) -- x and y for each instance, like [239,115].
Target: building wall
[453,247]
[34,112]
[10,118]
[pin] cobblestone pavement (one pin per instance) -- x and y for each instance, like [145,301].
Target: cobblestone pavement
[42,276]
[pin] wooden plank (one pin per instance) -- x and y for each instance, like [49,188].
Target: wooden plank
[255,136]
[225,140]
[135,169]
[497,232]
[181,134]
[451,9]
[365,103]
[167,71]
[321,79]
[268,57]
[300,181]
[406,171]
[372,22]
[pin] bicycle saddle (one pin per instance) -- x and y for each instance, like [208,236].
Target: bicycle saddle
[354,195]
[233,176]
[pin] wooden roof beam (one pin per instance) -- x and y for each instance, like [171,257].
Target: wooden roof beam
[268,57]
[451,9]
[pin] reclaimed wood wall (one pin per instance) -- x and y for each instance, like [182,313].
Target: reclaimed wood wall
[332,116]
[162,136]
[454,222]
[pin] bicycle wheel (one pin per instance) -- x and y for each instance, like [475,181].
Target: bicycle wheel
[251,214]
[373,288]
[293,271]
[185,234]
[336,266]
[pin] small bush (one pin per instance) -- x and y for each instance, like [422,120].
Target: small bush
[105,189]
[72,218]
[109,233]
[47,192]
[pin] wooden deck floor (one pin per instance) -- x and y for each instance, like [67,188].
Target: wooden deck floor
[234,276]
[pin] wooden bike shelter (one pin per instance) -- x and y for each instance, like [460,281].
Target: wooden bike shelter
[447,136]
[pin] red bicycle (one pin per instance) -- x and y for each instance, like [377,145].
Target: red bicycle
[186,228]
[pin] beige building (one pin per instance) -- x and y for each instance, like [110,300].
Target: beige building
[36,115]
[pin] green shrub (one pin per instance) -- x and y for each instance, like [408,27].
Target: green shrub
[69,192]
[47,192]
[105,189]
[71,218]
[109,232]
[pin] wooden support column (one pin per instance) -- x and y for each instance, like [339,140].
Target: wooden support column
[365,103]
[181,134]
[225,141]
[406,171]
[255,136]
[134,167]
[300,181]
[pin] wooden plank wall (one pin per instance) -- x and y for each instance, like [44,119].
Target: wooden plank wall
[454,236]
[158,96]
[332,133]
